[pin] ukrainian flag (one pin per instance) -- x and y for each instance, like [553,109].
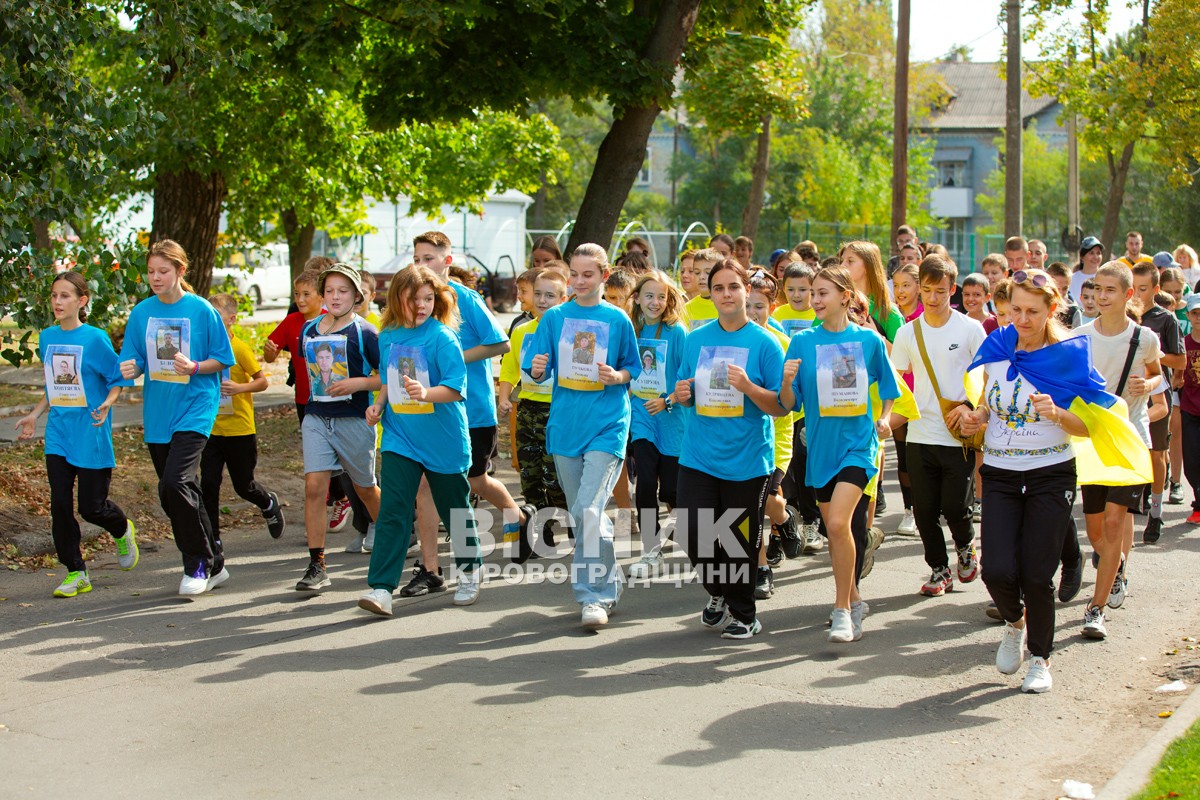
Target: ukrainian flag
[1112,454]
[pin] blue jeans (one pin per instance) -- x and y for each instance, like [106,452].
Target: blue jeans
[588,482]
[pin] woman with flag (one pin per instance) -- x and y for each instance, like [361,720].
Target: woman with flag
[1040,390]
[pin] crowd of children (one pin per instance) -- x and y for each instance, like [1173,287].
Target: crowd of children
[731,395]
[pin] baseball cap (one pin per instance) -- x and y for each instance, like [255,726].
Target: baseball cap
[1163,259]
[341,268]
[1088,243]
[1193,301]
[775,254]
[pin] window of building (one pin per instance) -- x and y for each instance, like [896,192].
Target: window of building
[647,173]
[952,173]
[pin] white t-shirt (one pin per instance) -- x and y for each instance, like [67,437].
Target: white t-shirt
[1078,279]
[1108,357]
[1017,437]
[951,350]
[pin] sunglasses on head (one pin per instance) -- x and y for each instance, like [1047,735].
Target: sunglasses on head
[1038,280]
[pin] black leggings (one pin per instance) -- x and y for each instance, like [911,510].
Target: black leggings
[94,507]
[238,454]
[725,558]
[657,475]
[803,498]
[178,468]
[1026,514]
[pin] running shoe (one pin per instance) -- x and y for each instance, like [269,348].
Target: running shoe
[908,525]
[274,516]
[218,579]
[369,540]
[315,578]
[1194,518]
[1037,679]
[774,549]
[1011,651]
[377,601]
[1116,595]
[939,583]
[1175,495]
[857,612]
[789,534]
[649,564]
[75,583]
[976,511]
[1153,530]
[715,614]
[127,548]
[875,537]
[423,582]
[339,515]
[764,587]
[1093,623]
[810,532]
[593,615]
[740,630]
[194,584]
[841,628]
[467,591]
[1069,582]
[968,564]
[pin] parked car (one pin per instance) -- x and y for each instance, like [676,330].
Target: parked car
[263,275]
[498,284]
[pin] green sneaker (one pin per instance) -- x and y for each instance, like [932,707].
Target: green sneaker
[127,549]
[75,583]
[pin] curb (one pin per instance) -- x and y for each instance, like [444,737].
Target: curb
[1136,773]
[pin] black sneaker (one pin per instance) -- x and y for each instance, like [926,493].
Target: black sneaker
[524,549]
[274,517]
[1153,530]
[774,550]
[789,535]
[765,586]
[315,578]
[548,535]
[423,582]
[880,503]
[1069,582]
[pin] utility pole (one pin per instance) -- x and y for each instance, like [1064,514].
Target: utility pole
[1012,139]
[900,126]
[1073,168]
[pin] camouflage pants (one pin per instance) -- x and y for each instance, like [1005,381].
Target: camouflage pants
[539,480]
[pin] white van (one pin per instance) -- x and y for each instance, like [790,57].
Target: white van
[262,274]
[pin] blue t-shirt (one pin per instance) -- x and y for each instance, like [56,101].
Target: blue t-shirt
[155,332]
[662,350]
[832,386]
[351,351]
[81,367]
[586,414]
[478,328]
[727,435]
[432,434]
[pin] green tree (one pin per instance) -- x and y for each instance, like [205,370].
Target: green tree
[1044,189]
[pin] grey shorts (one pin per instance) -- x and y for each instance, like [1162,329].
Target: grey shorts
[339,443]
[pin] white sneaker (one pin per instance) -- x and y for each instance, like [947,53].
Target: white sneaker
[857,612]
[468,588]
[190,586]
[810,534]
[218,579]
[908,525]
[593,616]
[1011,651]
[1093,623]
[647,565]
[841,628]
[369,540]
[377,601]
[1037,679]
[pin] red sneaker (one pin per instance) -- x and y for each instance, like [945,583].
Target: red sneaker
[1194,518]
[339,516]
[938,584]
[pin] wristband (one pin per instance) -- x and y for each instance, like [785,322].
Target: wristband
[667,404]
[196,369]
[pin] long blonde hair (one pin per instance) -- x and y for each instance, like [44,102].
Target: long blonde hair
[403,288]
[877,290]
[674,304]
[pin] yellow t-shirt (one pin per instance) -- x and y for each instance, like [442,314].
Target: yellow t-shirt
[374,319]
[698,311]
[510,367]
[236,417]
[784,424]
[793,321]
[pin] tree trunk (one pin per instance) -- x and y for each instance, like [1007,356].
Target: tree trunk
[758,180]
[187,208]
[623,150]
[299,240]
[1118,172]
[41,234]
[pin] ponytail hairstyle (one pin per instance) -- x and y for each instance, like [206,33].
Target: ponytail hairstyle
[877,291]
[173,252]
[856,309]
[403,288]
[81,289]
[594,252]
[671,309]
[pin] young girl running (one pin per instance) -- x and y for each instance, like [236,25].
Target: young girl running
[730,374]
[81,368]
[179,341]
[424,417]
[841,360]
[657,423]
[905,285]
[591,348]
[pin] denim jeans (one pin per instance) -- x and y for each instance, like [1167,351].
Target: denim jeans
[588,482]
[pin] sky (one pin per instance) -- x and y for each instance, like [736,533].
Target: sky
[937,25]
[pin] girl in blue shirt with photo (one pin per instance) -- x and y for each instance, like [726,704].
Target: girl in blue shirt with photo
[828,371]
[423,409]
[730,375]
[180,398]
[81,368]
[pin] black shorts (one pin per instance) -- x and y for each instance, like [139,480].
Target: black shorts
[1160,434]
[483,444]
[855,475]
[774,482]
[1096,497]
